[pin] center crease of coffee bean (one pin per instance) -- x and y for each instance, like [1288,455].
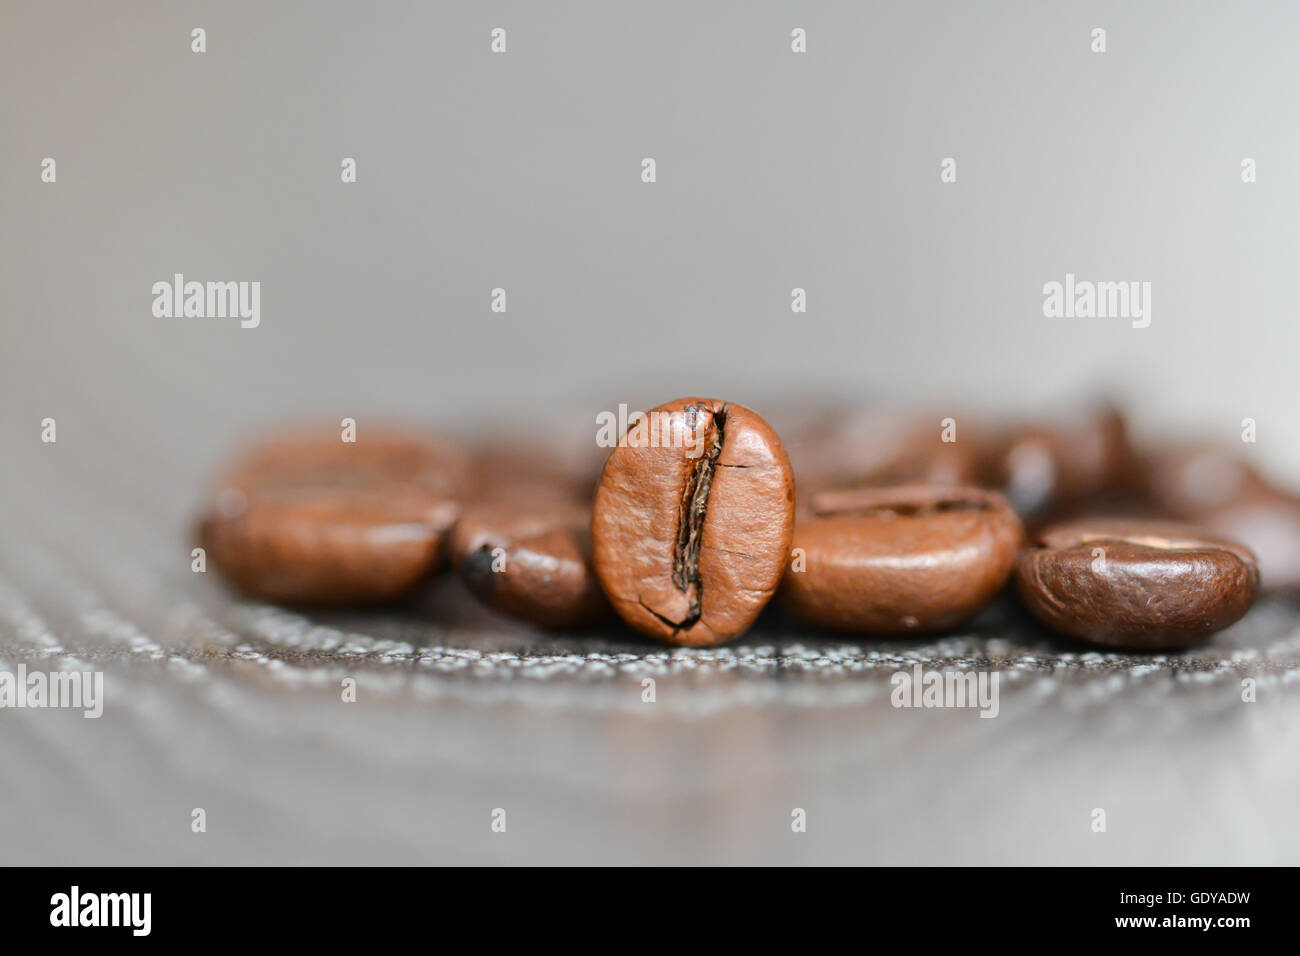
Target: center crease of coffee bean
[690,520]
[904,510]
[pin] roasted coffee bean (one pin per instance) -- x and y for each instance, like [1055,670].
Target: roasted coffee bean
[502,521]
[531,559]
[306,517]
[692,519]
[1053,470]
[1212,486]
[1269,524]
[900,560]
[511,466]
[1142,585]
[1190,480]
[870,447]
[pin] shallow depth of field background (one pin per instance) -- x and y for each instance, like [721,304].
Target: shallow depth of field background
[522,171]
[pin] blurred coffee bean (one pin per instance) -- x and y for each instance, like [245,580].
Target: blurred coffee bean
[1269,524]
[531,559]
[306,517]
[1212,485]
[874,447]
[1051,470]
[508,465]
[1140,585]
[1191,480]
[531,510]
[900,560]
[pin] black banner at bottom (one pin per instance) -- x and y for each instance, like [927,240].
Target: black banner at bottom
[332,905]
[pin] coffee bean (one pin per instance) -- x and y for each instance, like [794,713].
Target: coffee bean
[1187,481]
[1214,487]
[1142,585]
[512,466]
[853,449]
[524,513]
[1051,470]
[306,517]
[1269,524]
[530,558]
[900,560]
[692,519]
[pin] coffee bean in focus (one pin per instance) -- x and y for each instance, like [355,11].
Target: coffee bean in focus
[1136,584]
[907,559]
[692,520]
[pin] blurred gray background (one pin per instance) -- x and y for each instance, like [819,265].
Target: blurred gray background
[522,171]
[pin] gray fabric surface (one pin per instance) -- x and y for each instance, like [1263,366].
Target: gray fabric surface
[235,707]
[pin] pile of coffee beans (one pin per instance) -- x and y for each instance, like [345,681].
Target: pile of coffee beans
[900,525]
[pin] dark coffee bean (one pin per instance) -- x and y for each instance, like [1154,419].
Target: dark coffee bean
[1142,585]
[691,525]
[900,560]
[1052,470]
[307,517]
[531,559]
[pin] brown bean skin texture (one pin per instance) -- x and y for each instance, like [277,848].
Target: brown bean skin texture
[743,540]
[1213,487]
[548,580]
[504,521]
[332,522]
[1137,585]
[870,569]
[545,543]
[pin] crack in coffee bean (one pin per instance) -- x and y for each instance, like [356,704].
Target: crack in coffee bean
[905,510]
[910,500]
[717,467]
[695,505]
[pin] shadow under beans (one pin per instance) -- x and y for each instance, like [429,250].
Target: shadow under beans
[444,614]
[1005,617]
